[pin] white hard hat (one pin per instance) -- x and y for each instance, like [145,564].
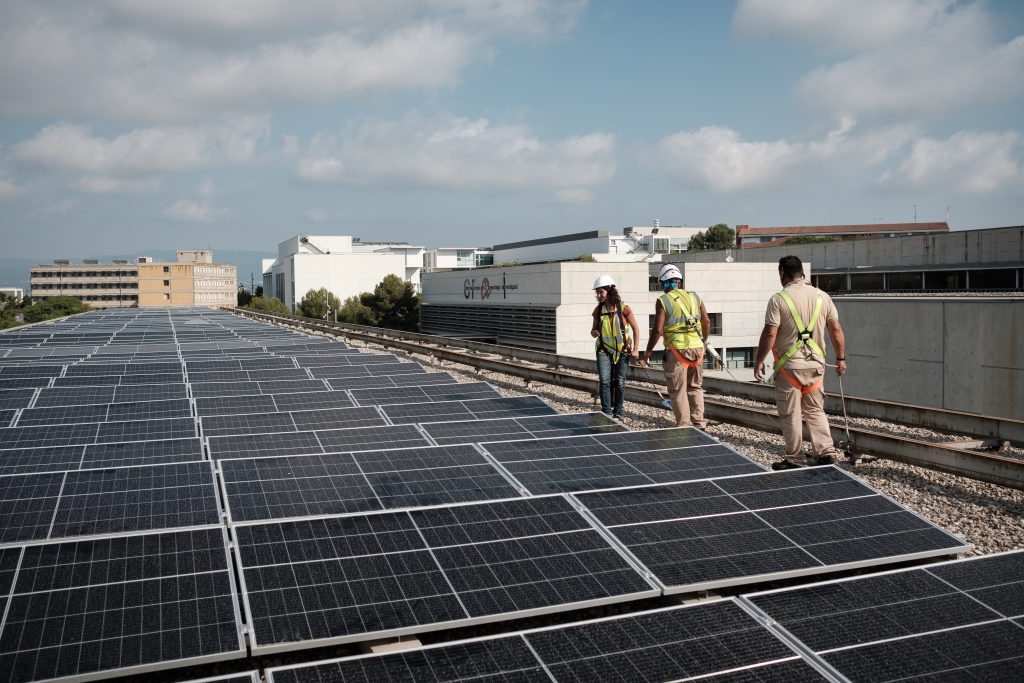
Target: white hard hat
[669,272]
[604,281]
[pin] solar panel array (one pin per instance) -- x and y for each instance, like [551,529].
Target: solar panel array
[954,621]
[148,457]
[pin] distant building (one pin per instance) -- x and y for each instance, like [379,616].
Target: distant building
[194,280]
[547,306]
[747,237]
[16,293]
[345,265]
[636,243]
[454,258]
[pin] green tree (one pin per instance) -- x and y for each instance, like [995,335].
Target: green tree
[355,312]
[395,303]
[56,307]
[269,304]
[319,303]
[715,238]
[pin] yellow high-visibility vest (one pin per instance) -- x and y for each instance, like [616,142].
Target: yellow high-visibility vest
[805,333]
[682,319]
[616,335]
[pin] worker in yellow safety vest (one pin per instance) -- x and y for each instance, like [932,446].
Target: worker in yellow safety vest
[617,338]
[681,319]
[799,351]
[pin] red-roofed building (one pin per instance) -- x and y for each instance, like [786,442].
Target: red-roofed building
[748,237]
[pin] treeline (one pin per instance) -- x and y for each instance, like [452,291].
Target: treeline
[393,304]
[13,314]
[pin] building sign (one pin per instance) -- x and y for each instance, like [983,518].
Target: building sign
[484,289]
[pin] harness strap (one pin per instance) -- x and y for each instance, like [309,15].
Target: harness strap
[805,339]
[687,363]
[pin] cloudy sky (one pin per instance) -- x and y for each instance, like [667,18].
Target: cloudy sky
[128,125]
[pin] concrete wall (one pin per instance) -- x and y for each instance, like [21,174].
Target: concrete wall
[959,353]
[739,291]
[343,274]
[994,245]
[178,290]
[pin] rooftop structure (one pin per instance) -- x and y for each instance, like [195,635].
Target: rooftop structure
[194,280]
[344,265]
[748,237]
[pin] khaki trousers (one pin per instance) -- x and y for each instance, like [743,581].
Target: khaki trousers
[685,389]
[811,407]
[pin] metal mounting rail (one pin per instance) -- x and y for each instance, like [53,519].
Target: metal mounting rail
[980,466]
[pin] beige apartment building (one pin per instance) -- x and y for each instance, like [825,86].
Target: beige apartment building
[193,280]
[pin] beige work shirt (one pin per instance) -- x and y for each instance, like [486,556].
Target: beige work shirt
[805,297]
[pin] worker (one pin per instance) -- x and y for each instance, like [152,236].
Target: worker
[617,339]
[680,317]
[799,351]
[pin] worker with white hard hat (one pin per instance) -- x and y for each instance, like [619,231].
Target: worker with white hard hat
[617,338]
[681,319]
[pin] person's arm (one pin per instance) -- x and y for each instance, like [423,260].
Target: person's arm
[631,321]
[835,331]
[595,329]
[705,323]
[764,345]
[656,332]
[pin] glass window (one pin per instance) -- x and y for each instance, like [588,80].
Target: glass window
[998,278]
[908,280]
[944,279]
[716,323]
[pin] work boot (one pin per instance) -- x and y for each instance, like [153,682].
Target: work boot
[827,459]
[784,465]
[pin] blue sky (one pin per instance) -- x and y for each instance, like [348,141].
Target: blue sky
[128,125]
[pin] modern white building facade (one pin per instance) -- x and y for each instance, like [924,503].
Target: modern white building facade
[456,258]
[344,265]
[548,306]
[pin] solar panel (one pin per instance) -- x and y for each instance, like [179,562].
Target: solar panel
[296,486]
[146,430]
[45,436]
[313,399]
[363,438]
[712,641]
[467,410]
[27,502]
[950,621]
[418,394]
[153,452]
[136,499]
[411,379]
[121,605]
[249,423]
[235,405]
[12,399]
[257,445]
[52,459]
[706,534]
[501,429]
[609,460]
[340,579]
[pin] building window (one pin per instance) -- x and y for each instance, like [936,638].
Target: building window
[167,297]
[167,269]
[739,358]
[167,283]
[484,260]
[716,323]
[464,259]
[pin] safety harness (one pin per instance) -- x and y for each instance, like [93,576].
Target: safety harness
[616,336]
[682,319]
[805,341]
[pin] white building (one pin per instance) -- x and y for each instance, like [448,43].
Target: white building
[652,244]
[455,258]
[548,306]
[16,293]
[344,265]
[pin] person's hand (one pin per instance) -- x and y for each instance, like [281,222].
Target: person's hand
[595,334]
[759,371]
[634,354]
[840,367]
[646,359]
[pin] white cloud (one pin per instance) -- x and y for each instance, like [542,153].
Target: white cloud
[207,189]
[717,158]
[965,162]
[574,195]
[456,153]
[193,211]
[838,24]
[9,189]
[149,150]
[156,61]
[909,57]
[100,184]
[58,208]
